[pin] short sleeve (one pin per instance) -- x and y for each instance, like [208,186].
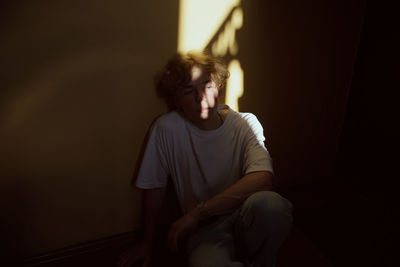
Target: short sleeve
[256,155]
[153,172]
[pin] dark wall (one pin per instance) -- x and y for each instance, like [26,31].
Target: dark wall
[298,59]
[76,100]
[368,155]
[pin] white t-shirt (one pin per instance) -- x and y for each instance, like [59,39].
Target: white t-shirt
[202,163]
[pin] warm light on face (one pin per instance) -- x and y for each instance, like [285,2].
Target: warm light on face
[199,22]
[198,98]
[196,73]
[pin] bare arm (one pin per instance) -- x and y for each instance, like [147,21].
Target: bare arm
[152,200]
[228,199]
[234,195]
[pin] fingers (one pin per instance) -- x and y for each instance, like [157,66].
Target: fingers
[180,228]
[175,233]
[128,262]
[123,259]
[130,257]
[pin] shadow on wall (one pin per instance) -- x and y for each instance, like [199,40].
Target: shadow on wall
[298,61]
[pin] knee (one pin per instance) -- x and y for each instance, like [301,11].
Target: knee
[210,263]
[268,202]
[268,207]
[213,255]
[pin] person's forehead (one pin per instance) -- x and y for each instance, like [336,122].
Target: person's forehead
[196,73]
[198,76]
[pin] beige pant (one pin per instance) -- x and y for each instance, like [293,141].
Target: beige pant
[250,236]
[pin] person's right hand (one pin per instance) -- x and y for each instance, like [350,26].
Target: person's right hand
[139,253]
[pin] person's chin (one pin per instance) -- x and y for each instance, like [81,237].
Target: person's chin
[204,115]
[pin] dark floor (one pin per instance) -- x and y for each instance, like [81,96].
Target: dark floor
[349,226]
[333,226]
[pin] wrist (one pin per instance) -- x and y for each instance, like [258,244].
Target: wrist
[201,211]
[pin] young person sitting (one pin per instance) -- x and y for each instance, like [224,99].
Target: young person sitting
[221,171]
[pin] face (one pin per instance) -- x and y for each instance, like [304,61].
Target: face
[198,99]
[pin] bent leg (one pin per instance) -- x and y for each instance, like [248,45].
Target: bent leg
[213,246]
[209,254]
[264,221]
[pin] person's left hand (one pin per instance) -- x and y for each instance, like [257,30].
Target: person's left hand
[182,227]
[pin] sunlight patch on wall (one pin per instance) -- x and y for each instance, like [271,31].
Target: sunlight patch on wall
[199,20]
[213,24]
[234,85]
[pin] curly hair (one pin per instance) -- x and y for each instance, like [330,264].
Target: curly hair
[177,73]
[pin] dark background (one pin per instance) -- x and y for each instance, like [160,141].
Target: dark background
[358,224]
